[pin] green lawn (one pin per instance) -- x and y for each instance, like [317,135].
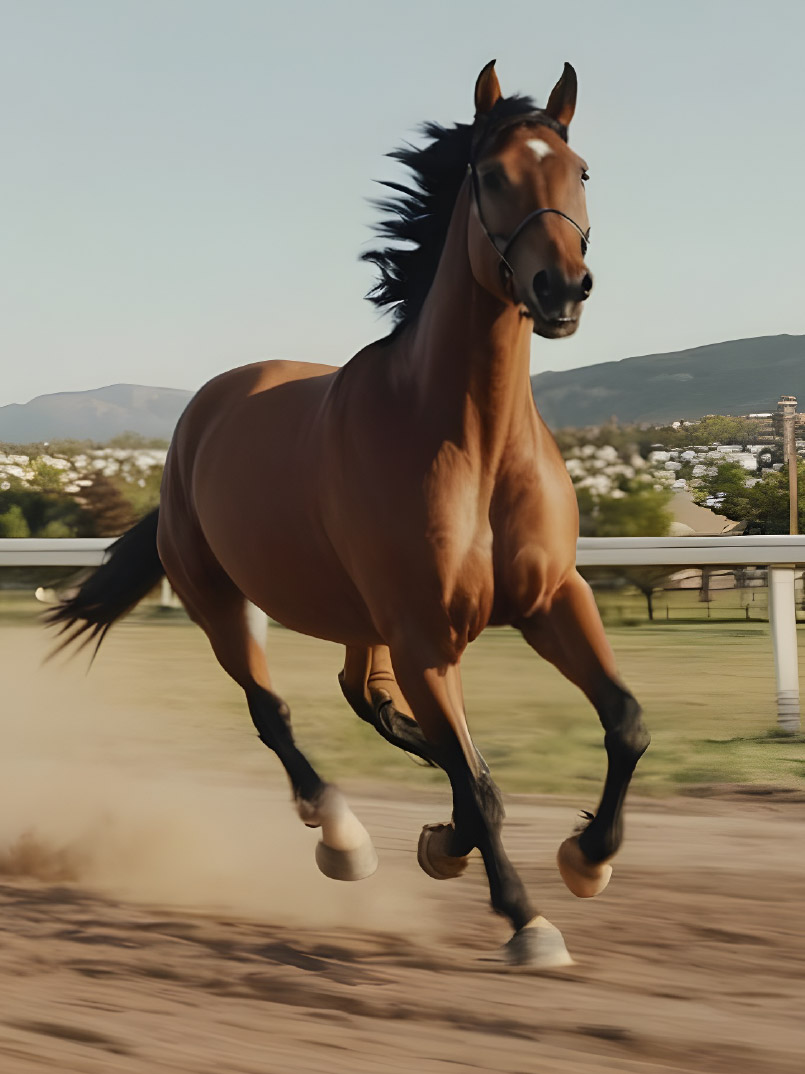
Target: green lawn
[707,689]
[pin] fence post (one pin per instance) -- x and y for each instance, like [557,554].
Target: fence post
[167,598]
[783,622]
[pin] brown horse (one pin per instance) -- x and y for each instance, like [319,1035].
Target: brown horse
[401,504]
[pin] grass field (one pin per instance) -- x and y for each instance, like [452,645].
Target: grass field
[707,689]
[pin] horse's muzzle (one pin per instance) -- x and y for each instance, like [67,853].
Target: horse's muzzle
[554,302]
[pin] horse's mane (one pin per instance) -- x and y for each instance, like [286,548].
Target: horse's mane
[419,214]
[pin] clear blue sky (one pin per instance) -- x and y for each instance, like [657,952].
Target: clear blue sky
[184,182]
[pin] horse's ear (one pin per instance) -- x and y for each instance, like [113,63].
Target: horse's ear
[562,101]
[487,90]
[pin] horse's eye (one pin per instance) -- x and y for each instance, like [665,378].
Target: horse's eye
[585,176]
[492,181]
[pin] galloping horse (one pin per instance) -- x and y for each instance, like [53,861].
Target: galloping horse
[404,502]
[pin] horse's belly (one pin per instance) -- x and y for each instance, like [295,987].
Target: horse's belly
[257,511]
[283,567]
[299,588]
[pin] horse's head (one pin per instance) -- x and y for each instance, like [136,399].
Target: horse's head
[529,227]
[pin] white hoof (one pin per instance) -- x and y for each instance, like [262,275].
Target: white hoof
[584,878]
[432,853]
[354,864]
[340,828]
[345,851]
[535,948]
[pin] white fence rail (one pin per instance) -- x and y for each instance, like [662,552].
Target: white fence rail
[781,554]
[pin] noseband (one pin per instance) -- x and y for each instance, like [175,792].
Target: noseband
[543,120]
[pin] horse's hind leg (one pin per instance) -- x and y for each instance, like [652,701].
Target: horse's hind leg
[571,636]
[369,685]
[345,851]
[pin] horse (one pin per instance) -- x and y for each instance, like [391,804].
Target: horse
[402,503]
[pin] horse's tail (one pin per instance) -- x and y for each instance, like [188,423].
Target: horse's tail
[131,570]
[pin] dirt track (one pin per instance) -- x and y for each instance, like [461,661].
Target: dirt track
[692,961]
[160,910]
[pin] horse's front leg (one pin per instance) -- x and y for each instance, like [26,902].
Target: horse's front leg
[571,636]
[434,692]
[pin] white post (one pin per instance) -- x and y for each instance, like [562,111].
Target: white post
[167,598]
[258,624]
[783,622]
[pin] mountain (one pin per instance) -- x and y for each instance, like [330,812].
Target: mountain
[737,377]
[99,414]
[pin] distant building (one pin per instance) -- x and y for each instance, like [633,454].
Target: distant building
[770,425]
[689,519]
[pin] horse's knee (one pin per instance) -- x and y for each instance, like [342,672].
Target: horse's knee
[626,736]
[271,718]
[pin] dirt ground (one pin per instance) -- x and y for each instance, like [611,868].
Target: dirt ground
[160,911]
[693,960]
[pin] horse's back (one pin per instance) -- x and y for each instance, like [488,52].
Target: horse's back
[216,404]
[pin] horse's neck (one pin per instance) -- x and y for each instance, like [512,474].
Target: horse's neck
[469,353]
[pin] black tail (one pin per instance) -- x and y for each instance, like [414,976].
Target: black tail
[131,570]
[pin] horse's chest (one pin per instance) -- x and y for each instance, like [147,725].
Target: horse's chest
[461,542]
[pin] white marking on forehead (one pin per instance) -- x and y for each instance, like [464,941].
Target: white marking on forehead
[540,149]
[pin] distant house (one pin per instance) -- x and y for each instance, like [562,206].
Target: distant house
[690,520]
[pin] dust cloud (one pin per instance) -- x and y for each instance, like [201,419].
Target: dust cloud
[131,805]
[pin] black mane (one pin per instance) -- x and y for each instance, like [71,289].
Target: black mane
[419,215]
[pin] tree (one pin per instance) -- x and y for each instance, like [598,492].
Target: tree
[142,495]
[642,512]
[56,528]
[763,504]
[722,429]
[46,478]
[646,579]
[13,524]
[40,511]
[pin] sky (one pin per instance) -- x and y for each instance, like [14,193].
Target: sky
[186,184]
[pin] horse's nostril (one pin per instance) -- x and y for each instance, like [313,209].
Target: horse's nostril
[541,284]
[586,286]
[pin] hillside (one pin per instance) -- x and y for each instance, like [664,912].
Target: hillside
[735,377]
[94,415]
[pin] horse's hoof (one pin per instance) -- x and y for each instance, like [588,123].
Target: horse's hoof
[354,864]
[584,878]
[432,853]
[535,948]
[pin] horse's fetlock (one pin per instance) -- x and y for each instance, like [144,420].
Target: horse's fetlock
[284,713]
[490,801]
[599,842]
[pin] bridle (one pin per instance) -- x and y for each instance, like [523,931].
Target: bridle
[544,120]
